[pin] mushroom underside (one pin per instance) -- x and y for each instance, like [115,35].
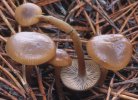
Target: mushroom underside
[72,80]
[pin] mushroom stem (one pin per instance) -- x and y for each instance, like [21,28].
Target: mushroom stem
[24,73]
[104,73]
[73,34]
[41,87]
[28,74]
[25,84]
[58,83]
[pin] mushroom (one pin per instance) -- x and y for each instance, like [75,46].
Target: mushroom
[62,26]
[25,14]
[30,48]
[112,51]
[62,59]
[73,79]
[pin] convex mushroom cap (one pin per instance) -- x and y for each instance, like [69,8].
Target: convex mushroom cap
[113,51]
[62,59]
[30,48]
[26,14]
[72,80]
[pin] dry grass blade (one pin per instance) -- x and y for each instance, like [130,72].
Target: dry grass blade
[7,22]
[109,89]
[12,86]
[8,74]
[123,96]
[8,7]
[134,80]
[46,2]
[2,91]
[127,20]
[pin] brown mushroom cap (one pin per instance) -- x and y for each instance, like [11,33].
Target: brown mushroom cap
[62,59]
[72,80]
[26,14]
[30,48]
[112,51]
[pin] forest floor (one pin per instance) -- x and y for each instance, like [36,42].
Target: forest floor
[89,18]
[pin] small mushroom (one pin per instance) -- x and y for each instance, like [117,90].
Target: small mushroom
[73,79]
[62,59]
[30,48]
[112,52]
[26,14]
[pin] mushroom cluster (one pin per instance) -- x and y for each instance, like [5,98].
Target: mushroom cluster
[32,14]
[112,52]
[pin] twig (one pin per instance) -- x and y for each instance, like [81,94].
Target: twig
[2,38]
[7,73]
[133,80]
[123,96]
[121,29]
[8,7]
[12,4]
[120,76]
[134,38]
[11,97]
[12,86]
[104,14]
[120,91]
[110,89]
[7,22]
